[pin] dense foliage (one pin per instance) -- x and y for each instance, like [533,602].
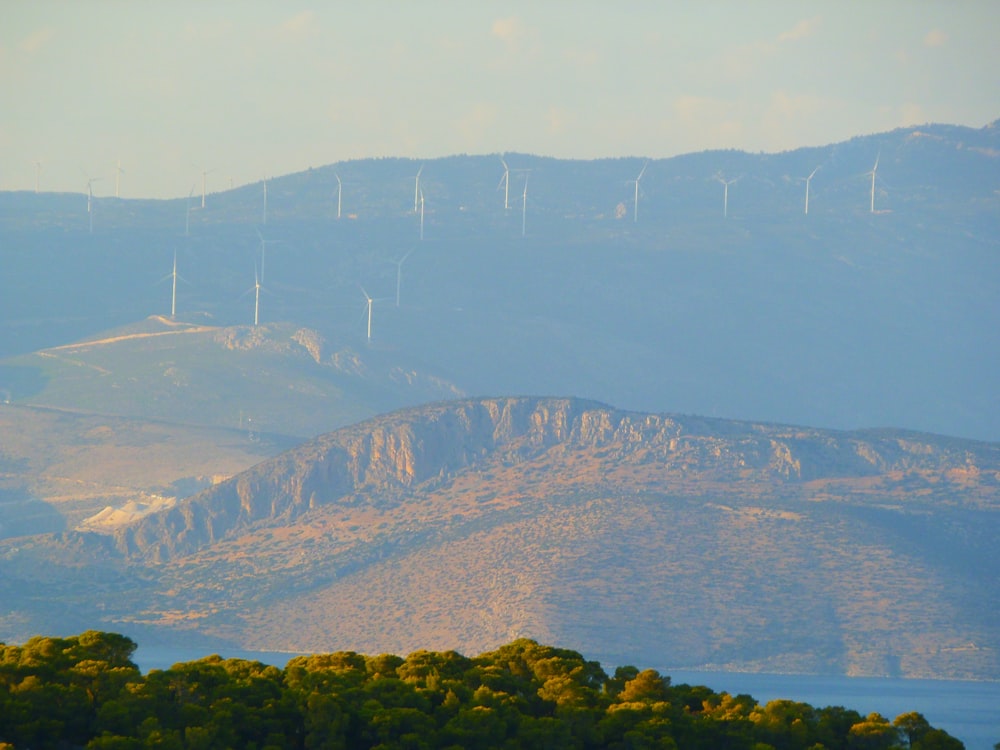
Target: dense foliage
[84,691]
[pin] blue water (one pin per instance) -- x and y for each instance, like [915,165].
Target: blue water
[969,711]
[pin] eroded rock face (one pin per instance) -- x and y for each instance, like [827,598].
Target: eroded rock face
[380,460]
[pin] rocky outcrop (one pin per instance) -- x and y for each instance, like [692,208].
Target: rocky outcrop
[385,459]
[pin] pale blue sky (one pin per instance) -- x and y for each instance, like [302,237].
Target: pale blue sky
[252,88]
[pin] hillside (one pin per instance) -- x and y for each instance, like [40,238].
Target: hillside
[684,541]
[272,378]
[843,317]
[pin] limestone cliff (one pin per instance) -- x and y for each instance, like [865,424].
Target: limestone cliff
[383,460]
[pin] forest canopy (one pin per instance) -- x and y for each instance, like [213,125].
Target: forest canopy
[85,691]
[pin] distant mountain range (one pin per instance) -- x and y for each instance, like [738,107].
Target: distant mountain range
[667,539]
[147,481]
[841,318]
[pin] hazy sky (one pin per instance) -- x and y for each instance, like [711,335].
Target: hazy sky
[252,88]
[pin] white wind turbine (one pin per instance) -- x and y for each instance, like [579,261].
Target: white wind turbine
[264,215]
[524,205]
[416,188]
[872,173]
[256,296]
[421,215]
[204,184]
[173,276]
[263,249]
[808,180]
[635,216]
[340,192]
[725,194]
[399,274]
[38,175]
[90,200]
[370,301]
[505,181]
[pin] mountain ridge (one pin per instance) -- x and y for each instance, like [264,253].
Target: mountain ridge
[389,454]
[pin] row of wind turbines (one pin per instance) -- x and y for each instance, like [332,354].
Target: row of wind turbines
[419,204]
[258,285]
[419,208]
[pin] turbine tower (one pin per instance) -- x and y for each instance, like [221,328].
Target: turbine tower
[725,194]
[808,180]
[635,216]
[90,201]
[263,249]
[524,205]
[340,192]
[38,175]
[204,184]
[505,181]
[416,188]
[421,215]
[369,301]
[264,215]
[173,290]
[399,274]
[256,296]
[872,173]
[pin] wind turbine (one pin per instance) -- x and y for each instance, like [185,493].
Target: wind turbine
[264,215]
[505,181]
[872,173]
[370,301]
[90,200]
[263,248]
[635,217]
[256,290]
[399,274]
[173,292]
[808,180]
[118,174]
[38,175]
[340,192]
[725,194]
[416,188]
[524,205]
[421,215]
[204,184]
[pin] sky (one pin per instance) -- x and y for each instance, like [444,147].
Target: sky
[250,89]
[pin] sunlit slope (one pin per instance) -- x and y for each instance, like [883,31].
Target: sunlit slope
[689,541]
[276,378]
[60,468]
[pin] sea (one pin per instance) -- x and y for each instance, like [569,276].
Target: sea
[967,710]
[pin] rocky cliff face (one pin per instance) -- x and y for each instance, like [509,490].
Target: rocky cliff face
[387,458]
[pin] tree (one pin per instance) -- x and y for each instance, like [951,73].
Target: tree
[912,727]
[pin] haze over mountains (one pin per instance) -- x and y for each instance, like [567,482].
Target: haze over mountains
[638,535]
[839,318]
